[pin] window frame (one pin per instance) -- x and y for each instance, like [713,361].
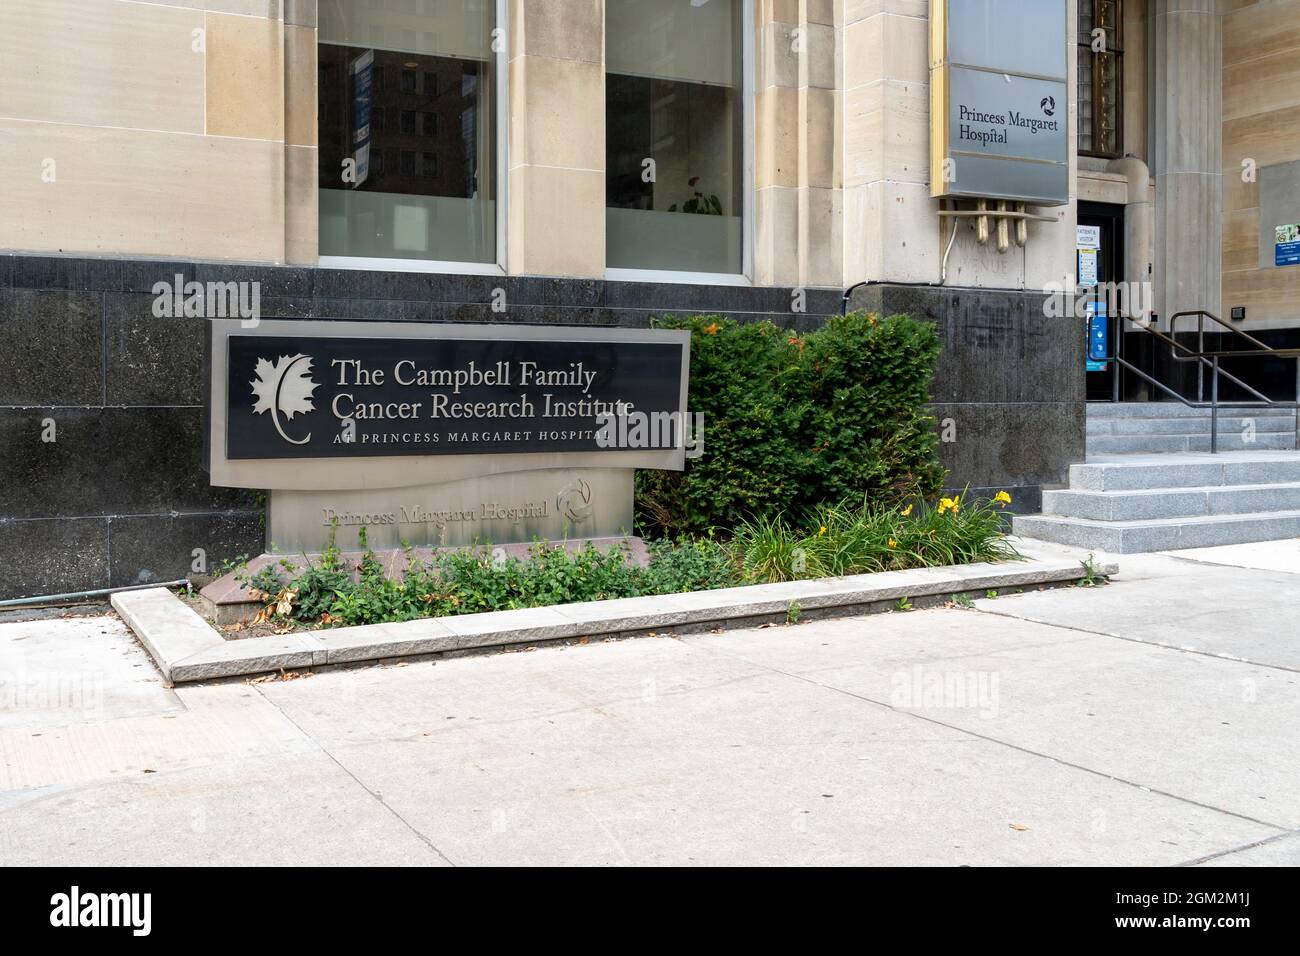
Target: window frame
[1114,49]
[501,125]
[748,193]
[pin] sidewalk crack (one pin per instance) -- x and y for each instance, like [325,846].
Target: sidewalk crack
[995,740]
[375,796]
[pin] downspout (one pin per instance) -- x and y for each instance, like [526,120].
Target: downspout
[80,595]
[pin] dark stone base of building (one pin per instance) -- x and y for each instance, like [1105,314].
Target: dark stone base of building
[1009,390]
[119,495]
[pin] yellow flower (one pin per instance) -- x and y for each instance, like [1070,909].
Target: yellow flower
[711,329]
[949,504]
[893,543]
[907,511]
[822,531]
[1002,498]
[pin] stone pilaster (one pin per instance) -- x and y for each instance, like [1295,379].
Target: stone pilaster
[1186,109]
[301,163]
[797,118]
[556,204]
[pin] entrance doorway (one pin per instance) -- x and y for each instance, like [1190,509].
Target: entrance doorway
[1100,260]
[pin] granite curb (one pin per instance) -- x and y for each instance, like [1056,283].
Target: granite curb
[186,648]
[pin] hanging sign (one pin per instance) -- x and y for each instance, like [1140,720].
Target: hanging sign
[999,100]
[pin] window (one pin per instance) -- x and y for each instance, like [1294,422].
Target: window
[1101,78]
[435,199]
[674,135]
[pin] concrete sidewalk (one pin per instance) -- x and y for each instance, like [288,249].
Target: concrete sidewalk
[1154,721]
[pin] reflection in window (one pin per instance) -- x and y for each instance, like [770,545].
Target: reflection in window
[674,135]
[412,80]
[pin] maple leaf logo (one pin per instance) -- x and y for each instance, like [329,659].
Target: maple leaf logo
[284,387]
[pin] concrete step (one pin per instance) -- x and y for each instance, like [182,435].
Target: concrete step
[1228,424]
[1172,503]
[1160,534]
[1151,472]
[1228,441]
[1101,410]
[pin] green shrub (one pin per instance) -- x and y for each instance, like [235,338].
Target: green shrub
[752,459]
[866,383]
[794,421]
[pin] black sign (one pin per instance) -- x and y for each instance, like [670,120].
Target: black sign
[309,397]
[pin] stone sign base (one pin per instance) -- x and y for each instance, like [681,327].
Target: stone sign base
[550,504]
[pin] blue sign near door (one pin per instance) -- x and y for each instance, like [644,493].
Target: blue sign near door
[1098,335]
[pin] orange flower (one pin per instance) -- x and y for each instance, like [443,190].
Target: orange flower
[711,329]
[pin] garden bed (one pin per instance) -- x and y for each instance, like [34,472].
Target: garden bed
[749,532]
[186,648]
[335,589]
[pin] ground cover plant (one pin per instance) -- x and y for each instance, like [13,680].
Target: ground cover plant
[844,539]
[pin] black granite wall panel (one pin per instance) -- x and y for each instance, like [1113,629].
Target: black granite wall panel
[1009,389]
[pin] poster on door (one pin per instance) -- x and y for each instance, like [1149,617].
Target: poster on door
[1088,243]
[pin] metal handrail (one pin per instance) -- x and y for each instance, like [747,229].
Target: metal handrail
[1203,359]
[1200,328]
